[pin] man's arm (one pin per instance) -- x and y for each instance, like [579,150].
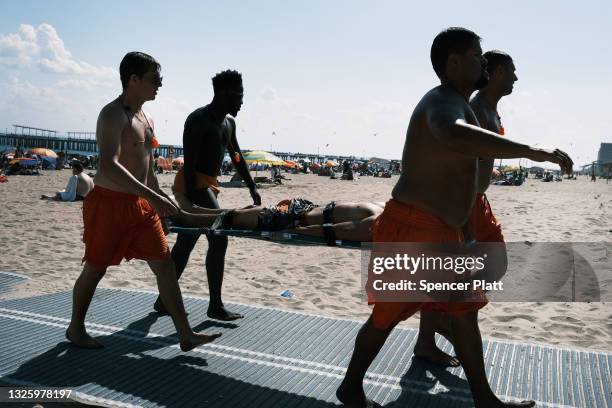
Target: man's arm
[241,166]
[448,125]
[109,128]
[193,134]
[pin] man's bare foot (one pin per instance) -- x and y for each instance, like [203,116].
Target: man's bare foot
[495,402]
[196,339]
[434,355]
[159,307]
[82,339]
[221,313]
[354,398]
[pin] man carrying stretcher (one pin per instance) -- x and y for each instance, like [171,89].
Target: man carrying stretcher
[432,202]
[122,213]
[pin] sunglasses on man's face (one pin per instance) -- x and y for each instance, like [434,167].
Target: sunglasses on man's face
[155,78]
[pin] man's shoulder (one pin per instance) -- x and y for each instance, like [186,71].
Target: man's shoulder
[112,111]
[434,99]
[199,116]
[477,103]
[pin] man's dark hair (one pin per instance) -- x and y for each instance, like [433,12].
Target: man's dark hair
[136,63]
[453,40]
[496,58]
[77,166]
[227,79]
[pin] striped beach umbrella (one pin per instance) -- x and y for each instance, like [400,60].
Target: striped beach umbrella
[262,157]
[42,151]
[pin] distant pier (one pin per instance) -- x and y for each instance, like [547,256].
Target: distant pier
[84,143]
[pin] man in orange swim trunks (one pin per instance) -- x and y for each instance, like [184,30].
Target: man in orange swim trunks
[443,142]
[483,224]
[122,213]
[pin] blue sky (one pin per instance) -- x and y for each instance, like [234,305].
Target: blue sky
[346,74]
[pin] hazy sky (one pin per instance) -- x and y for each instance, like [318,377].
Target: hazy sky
[343,73]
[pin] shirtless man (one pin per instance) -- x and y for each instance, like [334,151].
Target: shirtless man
[502,76]
[209,132]
[444,142]
[483,225]
[122,213]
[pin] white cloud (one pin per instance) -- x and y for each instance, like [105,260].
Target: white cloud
[268,94]
[42,47]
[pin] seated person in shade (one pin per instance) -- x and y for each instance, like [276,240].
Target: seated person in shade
[79,185]
[347,221]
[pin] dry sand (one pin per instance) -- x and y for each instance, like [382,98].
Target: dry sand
[42,240]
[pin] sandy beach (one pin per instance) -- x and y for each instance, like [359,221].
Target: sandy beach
[42,240]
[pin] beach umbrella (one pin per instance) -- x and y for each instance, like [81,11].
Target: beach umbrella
[262,157]
[291,164]
[25,162]
[41,151]
[48,162]
[331,163]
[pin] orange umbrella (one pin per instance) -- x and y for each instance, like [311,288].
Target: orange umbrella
[331,163]
[290,164]
[42,151]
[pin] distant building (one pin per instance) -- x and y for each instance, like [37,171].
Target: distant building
[604,159]
[605,153]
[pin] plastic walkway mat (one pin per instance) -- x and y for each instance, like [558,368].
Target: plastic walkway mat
[271,358]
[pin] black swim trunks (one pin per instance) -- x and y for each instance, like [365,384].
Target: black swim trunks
[284,215]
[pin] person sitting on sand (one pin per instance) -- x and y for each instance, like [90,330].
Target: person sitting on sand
[79,185]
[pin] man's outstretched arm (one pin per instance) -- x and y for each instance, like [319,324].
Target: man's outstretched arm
[448,125]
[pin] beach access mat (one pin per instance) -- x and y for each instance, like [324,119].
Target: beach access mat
[280,237]
[9,280]
[271,358]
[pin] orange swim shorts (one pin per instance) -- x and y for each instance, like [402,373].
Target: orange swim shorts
[401,222]
[483,224]
[202,181]
[120,225]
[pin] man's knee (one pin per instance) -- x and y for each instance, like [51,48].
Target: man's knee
[217,243]
[91,271]
[464,318]
[163,267]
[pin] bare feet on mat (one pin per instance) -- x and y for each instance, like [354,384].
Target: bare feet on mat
[196,339]
[434,355]
[82,339]
[221,313]
[159,307]
[354,398]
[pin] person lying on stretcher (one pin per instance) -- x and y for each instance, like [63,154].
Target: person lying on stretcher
[344,221]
